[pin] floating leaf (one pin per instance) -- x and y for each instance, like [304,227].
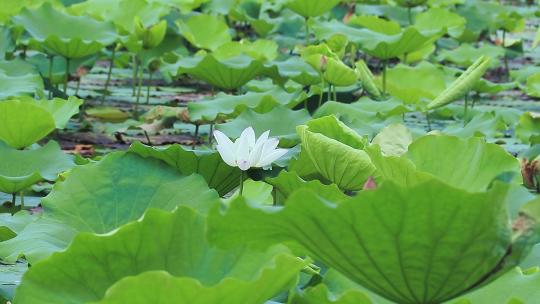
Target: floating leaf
[22,169]
[463,84]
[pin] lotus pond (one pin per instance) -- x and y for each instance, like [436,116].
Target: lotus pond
[266,152]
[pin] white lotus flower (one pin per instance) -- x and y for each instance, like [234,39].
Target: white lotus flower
[247,151]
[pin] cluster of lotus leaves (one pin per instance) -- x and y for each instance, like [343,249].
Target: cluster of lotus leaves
[63,34]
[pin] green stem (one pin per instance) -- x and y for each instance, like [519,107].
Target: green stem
[211,134]
[335,92]
[322,93]
[409,14]
[148,87]
[22,200]
[66,78]
[329,97]
[139,86]
[428,122]
[78,86]
[241,182]
[135,73]
[196,136]
[109,74]
[13,198]
[51,63]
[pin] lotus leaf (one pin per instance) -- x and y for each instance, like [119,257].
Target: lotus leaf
[376,24]
[100,197]
[161,243]
[209,164]
[205,31]
[378,44]
[443,19]
[228,74]
[528,128]
[394,140]
[415,84]
[363,109]
[298,70]
[152,35]
[374,238]
[281,121]
[367,79]
[533,85]
[469,164]
[310,8]
[11,225]
[334,151]
[66,35]
[25,168]
[261,49]
[228,106]
[19,78]
[24,123]
[10,276]
[465,55]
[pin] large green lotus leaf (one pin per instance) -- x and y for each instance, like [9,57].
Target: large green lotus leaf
[122,12]
[230,106]
[287,183]
[394,140]
[377,44]
[414,84]
[335,152]
[260,49]
[281,122]
[533,85]
[466,54]
[443,19]
[12,8]
[160,241]
[162,287]
[66,35]
[209,164]
[298,70]
[227,74]
[20,169]
[310,8]
[205,31]
[19,78]
[376,24]
[470,164]
[528,128]
[23,124]
[363,109]
[100,197]
[103,196]
[516,286]
[422,244]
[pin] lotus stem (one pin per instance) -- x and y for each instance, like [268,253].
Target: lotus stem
[320,95]
[428,121]
[78,86]
[465,110]
[196,135]
[22,200]
[241,183]
[109,74]
[139,86]
[329,93]
[135,73]
[148,88]
[210,135]
[51,63]
[409,14]
[66,78]
[335,92]
[13,198]
[148,138]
